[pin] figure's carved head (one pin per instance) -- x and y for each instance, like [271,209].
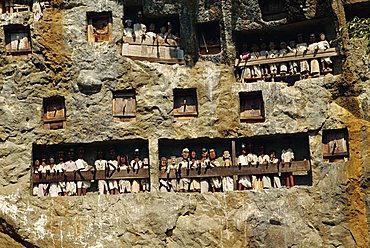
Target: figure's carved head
[193,155]
[244,149]
[212,154]
[71,154]
[152,27]
[204,152]
[163,29]
[272,45]
[254,47]
[173,160]
[283,45]
[226,155]
[164,162]
[128,23]
[185,153]
[299,37]
[263,46]
[312,38]
[81,152]
[322,37]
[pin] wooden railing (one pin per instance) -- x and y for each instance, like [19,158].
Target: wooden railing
[89,175]
[295,166]
[330,52]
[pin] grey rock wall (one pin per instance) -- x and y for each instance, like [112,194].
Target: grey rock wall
[334,211]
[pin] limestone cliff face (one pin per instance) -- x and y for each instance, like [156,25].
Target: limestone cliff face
[333,211]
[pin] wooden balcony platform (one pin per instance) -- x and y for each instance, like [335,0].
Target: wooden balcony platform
[330,52]
[295,166]
[89,175]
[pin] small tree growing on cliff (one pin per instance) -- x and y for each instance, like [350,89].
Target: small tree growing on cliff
[357,29]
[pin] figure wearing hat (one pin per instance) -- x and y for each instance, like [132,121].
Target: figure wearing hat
[227,181]
[283,67]
[244,182]
[302,49]
[314,63]
[128,31]
[101,165]
[326,63]
[173,166]
[287,157]
[82,165]
[112,167]
[44,168]
[184,183]
[70,165]
[263,160]
[164,185]
[216,182]
[60,168]
[139,28]
[204,163]
[194,164]
[136,164]
[54,188]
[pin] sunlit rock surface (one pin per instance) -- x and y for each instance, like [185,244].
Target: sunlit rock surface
[333,212]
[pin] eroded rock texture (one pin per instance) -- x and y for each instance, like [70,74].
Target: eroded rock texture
[332,212]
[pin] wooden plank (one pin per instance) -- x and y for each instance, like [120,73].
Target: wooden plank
[295,166]
[331,52]
[222,171]
[89,175]
[158,60]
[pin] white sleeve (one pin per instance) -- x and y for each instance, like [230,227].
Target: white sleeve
[80,164]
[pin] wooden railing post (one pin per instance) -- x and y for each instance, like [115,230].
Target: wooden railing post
[154,164]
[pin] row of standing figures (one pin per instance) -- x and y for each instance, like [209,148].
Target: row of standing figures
[305,68]
[181,184]
[109,186]
[226,183]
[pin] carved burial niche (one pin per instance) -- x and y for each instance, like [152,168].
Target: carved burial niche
[99,27]
[209,38]
[272,9]
[185,103]
[17,40]
[335,143]
[124,104]
[54,113]
[251,107]
[12,6]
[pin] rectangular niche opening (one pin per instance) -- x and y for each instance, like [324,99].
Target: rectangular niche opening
[124,104]
[360,10]
[286,34]
[17,40]
[335,144]
[185,103]
[209,38]
[272,9]
[251,107]
[99,29]
[121,147]
[146,36]
[54,113]
[11,6]
[297,142]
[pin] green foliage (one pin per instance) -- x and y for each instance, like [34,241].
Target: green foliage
[358,28]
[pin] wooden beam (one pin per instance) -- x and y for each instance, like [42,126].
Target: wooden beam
[330,52]
[89,175]
[157,60]
[295,166]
